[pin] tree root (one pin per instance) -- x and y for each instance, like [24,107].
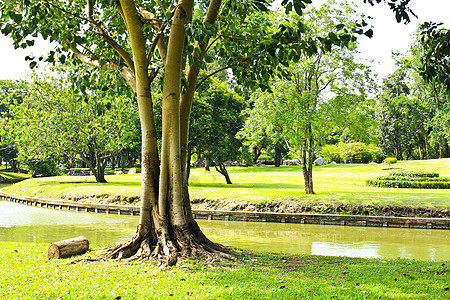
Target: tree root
[184,243]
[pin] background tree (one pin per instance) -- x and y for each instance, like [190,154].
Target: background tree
[215,119]
[434,67]
[52,122]
[411,110]
[11,94]
[324,89]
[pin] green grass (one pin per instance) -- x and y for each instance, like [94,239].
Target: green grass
[10,175]
[25,273]
[340,183]
[332,183]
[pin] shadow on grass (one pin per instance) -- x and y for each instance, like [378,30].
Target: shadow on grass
[277,186]
[130,183]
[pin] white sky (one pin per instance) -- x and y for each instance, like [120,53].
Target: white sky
[388,36]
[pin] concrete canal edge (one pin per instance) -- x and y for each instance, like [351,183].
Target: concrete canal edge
[248,216]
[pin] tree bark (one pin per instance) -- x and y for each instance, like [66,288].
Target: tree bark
[277,155]
[70,247]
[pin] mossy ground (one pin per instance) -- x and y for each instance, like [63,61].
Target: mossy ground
[25,273]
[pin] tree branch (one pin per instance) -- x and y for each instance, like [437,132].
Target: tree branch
[220,70]
[121,51]
[126,73]
[159,38]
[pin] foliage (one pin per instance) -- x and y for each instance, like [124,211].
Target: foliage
[412,174]
[435,65]
[390,161]
[351,152]
[299,112]
[215,120]
[39,166]
[413,109]
[53,122]
[11,95]
[409,184]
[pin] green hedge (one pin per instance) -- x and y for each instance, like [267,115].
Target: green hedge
[409,184]
[410,179]
[402,178]
[414,174]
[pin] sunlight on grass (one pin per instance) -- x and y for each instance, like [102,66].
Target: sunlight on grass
[338,183]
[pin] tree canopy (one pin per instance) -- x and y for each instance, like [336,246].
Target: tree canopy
[52,122]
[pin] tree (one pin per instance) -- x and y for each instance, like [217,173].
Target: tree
[410,109]
[11,94]
[390,161]
[215,120]
[323,91]
[122,36]
[52,122]
[434,67]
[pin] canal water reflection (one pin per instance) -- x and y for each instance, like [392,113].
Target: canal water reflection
[19,223]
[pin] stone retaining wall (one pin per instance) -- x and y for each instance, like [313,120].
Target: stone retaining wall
[301,218]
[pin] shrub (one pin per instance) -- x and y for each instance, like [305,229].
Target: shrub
[39,166]
[410,179]
[409,184]
[414,174]
[390,161]
[353,152]
[330,153]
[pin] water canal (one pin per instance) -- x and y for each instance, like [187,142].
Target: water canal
[20,223]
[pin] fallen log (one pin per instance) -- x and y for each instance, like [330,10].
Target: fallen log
[65,248]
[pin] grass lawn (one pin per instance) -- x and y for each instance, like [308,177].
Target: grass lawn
[332,183]
[25,273]
[10,175]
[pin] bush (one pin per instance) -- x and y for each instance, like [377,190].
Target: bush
[351,152]
[414,174]
[409,184]
[410,179]
[390,161]
[330,153]
[39,166]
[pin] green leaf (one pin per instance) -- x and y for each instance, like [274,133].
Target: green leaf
[298,6]
[369,33]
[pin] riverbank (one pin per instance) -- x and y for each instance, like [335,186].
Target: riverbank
[27,274]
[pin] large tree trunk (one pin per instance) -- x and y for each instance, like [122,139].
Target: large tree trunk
[99,174]
[167,229]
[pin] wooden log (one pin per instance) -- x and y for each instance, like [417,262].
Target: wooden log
[65,248]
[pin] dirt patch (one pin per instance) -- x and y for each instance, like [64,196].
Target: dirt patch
[324,208]
[105,199]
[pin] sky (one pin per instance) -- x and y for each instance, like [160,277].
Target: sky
[388,36]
